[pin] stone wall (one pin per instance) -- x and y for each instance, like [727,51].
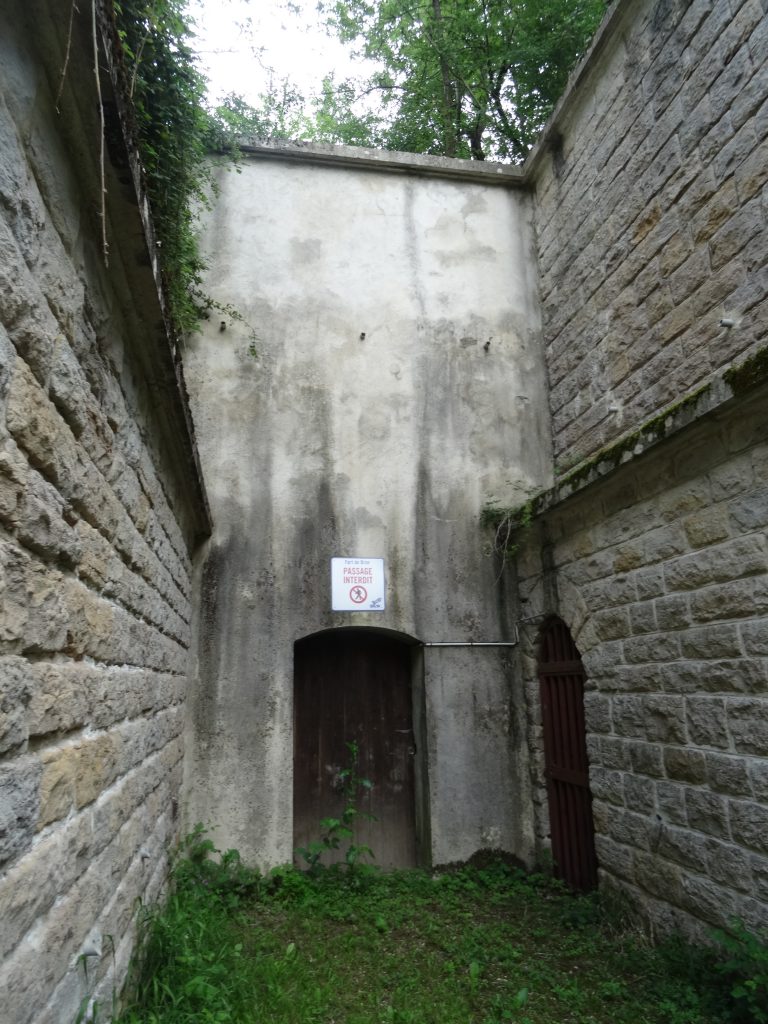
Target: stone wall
[651,212]
[95,540]
[661,571]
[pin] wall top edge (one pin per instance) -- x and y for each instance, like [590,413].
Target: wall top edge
[733,389]
[386,161]
[133,248]
[611,25]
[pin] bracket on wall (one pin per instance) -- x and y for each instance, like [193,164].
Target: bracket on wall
[486,643]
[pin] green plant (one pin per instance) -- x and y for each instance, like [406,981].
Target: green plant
[746,970]
[341,830]
[175,135]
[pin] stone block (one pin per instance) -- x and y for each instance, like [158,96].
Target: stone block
[707,725]
[626,827]
[640,794]
[612,624]
[657,876]
[597,713]
[731,238]
[646,678]
[43,526]
[613,753]
[13,481]
[642,617]
[707,900]
[685,765]
[19,802]
[664,718]
[758,774]
[628,717]
[613,857]
[672,612]
[646,758]
[664,543]
[14,611]
[752,174]
[719,209]
[16,687]
[728,774]
[715,642]
[754,636]
[729,865]
[47,611]
[759,873]
[749,512]
[739,599]
[670,801]
[43,434]
[607,786]
[651,648]
[737,676]
[748,725]
[706,527]
[708,813]
[749,824]
[57,784]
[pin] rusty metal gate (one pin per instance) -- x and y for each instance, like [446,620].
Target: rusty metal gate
[561,682]
[354,685]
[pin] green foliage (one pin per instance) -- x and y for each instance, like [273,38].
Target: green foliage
[341,830]
[280,115]
[746,970]
[188,965]
[488,944]
[168,95]
[466,78]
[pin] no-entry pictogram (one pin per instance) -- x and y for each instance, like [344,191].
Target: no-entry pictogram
[358,585]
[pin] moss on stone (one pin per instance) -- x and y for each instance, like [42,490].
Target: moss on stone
[749,374]
[655,429]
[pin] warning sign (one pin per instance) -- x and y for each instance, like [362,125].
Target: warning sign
[357,585]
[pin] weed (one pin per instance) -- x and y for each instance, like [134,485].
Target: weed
[746,970]
[337,831]
[471,945]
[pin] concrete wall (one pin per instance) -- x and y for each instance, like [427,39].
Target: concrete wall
[650,215]
[399,385]
[95,535]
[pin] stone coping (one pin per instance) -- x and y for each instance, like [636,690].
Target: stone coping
[744,383]
[387,161]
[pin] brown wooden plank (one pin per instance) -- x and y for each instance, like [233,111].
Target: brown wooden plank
[354,685]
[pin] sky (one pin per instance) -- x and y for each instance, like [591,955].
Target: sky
[230,32]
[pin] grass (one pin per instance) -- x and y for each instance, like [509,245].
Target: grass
[478,945]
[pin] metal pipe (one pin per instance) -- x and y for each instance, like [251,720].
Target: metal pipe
[470,643]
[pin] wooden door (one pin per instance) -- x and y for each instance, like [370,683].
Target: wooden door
[352,685]
[561,681]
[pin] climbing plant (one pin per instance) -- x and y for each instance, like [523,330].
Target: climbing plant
[167,91]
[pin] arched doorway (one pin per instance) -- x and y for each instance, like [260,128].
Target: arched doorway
[561,688]
[354,685]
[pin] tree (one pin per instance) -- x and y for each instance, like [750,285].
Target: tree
[471,78]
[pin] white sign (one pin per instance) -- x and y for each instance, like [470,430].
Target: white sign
[357,585]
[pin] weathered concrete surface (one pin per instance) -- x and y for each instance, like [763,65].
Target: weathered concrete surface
[399,385]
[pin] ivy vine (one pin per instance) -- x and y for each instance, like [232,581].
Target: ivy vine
[174,137]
